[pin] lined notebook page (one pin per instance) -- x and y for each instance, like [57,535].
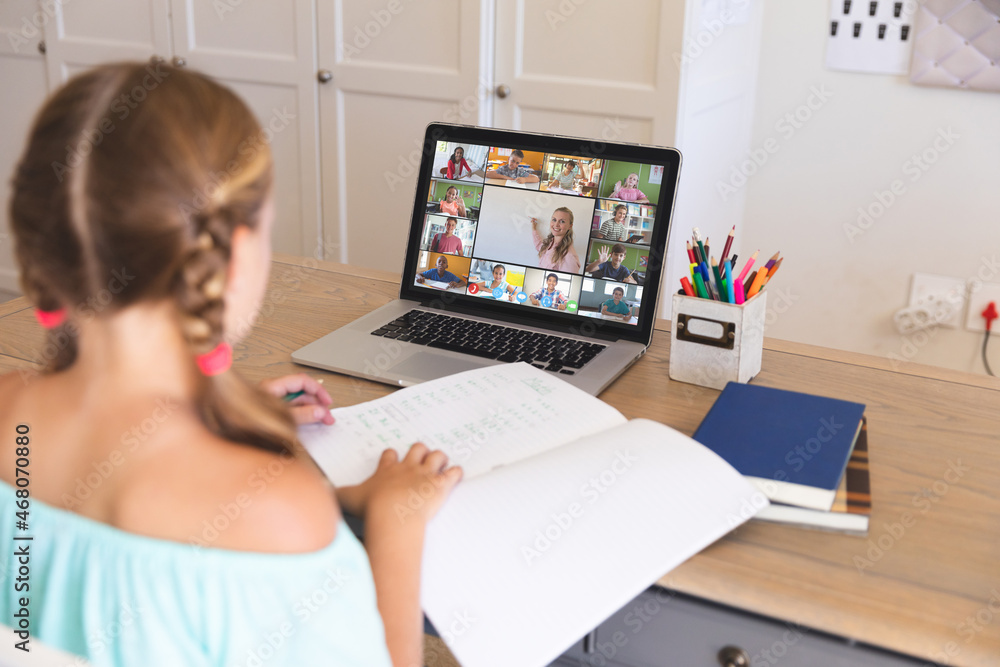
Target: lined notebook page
[481,419]
[521,563]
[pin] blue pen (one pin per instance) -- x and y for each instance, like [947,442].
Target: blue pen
[712,292]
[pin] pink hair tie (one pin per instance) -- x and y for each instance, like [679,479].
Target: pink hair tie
[50,319]
[217,361]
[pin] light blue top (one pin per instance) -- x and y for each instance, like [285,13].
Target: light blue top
[621,309]
[118,598]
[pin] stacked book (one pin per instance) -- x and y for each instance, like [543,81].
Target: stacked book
[808,454]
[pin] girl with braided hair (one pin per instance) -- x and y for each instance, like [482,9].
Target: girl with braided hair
[164,487]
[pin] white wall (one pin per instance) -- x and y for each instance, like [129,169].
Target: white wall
[718,67]
[840,284]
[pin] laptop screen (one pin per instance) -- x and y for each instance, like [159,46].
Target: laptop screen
[552,229]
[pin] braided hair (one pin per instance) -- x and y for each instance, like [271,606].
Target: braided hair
[149,193]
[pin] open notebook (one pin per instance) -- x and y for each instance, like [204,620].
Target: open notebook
[567,510]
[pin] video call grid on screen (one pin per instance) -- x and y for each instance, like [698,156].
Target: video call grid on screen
[491,209]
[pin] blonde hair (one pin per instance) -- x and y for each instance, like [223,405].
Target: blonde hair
[565,245]
[158,189]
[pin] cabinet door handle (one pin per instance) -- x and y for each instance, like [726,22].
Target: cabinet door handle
[503,90]
[41,47]
[324,76]
[155,60]
[733,656]
[179,62]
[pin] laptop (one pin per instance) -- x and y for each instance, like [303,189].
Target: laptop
[519,249]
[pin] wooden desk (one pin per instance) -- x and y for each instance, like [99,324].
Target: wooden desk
[932,557]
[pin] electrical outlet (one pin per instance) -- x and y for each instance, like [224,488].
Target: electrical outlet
[929,290]
[980,295]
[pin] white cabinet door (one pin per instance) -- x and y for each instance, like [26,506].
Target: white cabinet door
[396,65]
[589,69]
[81,35]
[24,82]
[266,53]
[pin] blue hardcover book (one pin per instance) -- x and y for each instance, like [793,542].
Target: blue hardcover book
[794,447]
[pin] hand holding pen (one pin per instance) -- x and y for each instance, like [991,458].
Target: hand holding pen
[309,402]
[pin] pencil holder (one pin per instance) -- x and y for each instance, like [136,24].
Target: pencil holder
[712,342]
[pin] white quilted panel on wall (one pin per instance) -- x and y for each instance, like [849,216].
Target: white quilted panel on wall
[957,44]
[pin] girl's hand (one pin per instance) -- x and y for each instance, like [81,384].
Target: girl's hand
[311,407]
[416,486]
[534,223]
[618,186]
[603,254]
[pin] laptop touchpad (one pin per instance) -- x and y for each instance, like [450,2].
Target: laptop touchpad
[429,366]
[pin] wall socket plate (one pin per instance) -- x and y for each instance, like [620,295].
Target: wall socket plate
[927,285]
[980,295]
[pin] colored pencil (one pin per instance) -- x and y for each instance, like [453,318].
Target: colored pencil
[700,284]
[700,245]
[690,252]
[773,270]
[739,292]
[728,245]
[771,261]
[758,282]
[706,278]
[728,270]
[718,278]
[747,283]
[743,273]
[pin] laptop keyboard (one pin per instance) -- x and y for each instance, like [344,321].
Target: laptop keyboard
[491,341]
